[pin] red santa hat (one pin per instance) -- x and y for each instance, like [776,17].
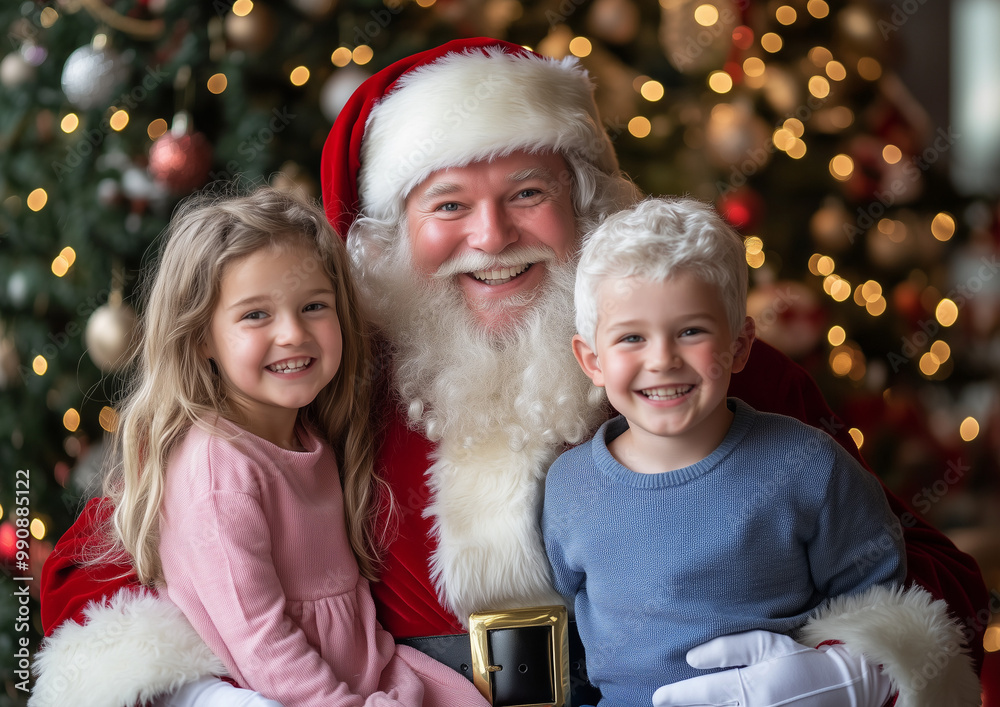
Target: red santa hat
[467,100]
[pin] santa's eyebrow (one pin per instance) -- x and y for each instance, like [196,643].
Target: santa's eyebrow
[532,173]
[439,189]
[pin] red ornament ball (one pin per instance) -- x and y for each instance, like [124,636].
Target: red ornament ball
[8,542]
[181,162]
[743,209]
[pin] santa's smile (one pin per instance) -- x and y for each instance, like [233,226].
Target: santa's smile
[500,276]
[667,393]
[291,365]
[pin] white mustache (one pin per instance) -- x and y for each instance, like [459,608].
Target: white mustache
[470,262]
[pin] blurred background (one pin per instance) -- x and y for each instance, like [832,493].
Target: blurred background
[856,146]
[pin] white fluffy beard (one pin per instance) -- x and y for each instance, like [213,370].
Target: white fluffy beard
[501,405]
[461,381]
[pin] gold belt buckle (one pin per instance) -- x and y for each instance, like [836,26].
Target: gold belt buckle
[481,624]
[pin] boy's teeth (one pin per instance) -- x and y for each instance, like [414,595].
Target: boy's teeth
[500,276]
[666,393]
[290,366]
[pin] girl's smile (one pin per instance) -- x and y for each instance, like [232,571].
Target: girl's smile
[295,365]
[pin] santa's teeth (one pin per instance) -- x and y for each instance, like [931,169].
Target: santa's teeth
[290,366]
[666,393]
[501,275]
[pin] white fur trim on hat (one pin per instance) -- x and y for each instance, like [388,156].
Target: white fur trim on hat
[470,106]
[130,649]
[920,648]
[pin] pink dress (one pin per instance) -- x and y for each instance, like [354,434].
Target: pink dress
[255,553]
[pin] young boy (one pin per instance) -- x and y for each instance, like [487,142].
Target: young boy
[691,515]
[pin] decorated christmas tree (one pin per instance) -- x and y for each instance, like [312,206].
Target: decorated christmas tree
[867,265]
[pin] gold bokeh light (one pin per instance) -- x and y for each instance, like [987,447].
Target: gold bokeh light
[580,47]
[969,429]
[842,167]
[946,312]
[771,43]
[639,126]
[706,15]
[720,82]
[652,91]
[943,226]
[786,15]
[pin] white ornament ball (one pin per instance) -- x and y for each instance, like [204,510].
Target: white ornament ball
[15,70]
[338,89]
[18,288]
[111,335]
[90,76]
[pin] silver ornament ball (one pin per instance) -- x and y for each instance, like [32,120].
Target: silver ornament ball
[90,76]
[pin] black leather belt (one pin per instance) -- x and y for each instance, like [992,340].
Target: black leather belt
[522,654]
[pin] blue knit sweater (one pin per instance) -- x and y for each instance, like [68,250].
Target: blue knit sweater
[754,536]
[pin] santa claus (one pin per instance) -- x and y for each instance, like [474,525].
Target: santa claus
[463,179]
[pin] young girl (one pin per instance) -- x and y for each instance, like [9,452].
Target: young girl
[252,394]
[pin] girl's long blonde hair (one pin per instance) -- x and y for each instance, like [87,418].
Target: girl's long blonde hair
[175,386]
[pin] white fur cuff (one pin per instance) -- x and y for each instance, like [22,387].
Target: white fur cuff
[918,645]
[132,648]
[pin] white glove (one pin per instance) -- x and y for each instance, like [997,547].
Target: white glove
[212,692]
[778,671]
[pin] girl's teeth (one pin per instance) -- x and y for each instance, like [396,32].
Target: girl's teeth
[290,366]
[500,276]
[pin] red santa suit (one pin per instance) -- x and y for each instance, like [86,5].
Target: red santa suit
[110,643]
